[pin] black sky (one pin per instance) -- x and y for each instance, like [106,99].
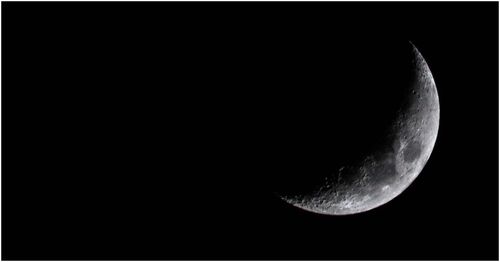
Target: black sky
[157,130]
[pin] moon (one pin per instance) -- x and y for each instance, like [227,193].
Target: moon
[385,172]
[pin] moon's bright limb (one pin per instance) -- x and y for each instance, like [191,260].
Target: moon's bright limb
[388,171]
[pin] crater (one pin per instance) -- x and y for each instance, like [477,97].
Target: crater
[384,172]
[412,151]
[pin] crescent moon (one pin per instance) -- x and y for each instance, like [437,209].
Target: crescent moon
[386,172]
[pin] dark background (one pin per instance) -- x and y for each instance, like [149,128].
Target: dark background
[158,130]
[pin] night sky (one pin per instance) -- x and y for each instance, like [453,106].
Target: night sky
[160,130]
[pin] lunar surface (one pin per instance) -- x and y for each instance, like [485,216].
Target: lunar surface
[386,171]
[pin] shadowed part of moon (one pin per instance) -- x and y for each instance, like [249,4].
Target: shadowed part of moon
[388,168]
